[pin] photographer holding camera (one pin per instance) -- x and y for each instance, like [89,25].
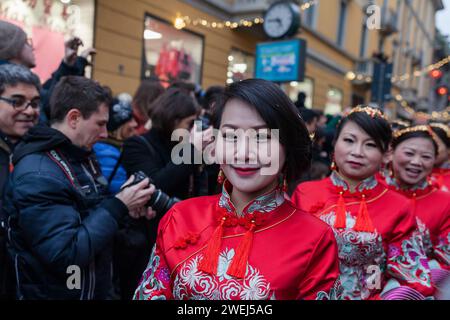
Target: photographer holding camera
[151,154]
[60,218]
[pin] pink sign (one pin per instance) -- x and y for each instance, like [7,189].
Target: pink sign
[49,50]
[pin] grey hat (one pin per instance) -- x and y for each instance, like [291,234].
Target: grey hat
[12,40]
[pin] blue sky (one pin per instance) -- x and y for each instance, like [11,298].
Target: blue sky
[443,18]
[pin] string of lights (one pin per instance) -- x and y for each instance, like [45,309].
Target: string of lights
[352,75]
[182,22]
[434,116]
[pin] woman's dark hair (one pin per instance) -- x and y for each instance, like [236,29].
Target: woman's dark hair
[278,111]
[172,105]
[441,133]
[376,127]
[146,94]
[414,134]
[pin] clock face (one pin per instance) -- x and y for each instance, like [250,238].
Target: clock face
[280,19]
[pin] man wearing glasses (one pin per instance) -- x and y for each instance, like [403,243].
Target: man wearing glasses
[19,112]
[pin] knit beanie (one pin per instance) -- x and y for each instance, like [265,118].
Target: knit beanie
[12,40]
[120,113]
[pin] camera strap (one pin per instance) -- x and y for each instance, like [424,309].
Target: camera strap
[65,167]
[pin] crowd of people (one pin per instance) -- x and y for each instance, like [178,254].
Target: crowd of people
[356,207]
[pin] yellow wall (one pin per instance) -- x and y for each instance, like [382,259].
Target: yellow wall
[119,29]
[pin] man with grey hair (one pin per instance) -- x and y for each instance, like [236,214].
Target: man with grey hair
[19,111]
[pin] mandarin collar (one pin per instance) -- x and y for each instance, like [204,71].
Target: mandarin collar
[366,185]
[445,166]
[393,183]
[265,203]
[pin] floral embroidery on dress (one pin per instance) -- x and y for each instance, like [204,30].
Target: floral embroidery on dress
[424,233]
[368,184]
[154,280]
[265,203]
[358,252]
[192,284]
[409,261]
[336,292]
[442,250]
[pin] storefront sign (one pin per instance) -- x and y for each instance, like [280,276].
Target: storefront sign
[281,61]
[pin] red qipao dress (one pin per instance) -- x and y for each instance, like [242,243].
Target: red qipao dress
[441,177]
[379,252]
[432,209]
[206,251]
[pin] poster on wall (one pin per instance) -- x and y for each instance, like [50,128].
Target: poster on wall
[48,23]
[171,55]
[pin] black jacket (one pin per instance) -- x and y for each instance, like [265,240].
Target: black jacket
[6,149]
[7,284]
[57,222]
[175,180]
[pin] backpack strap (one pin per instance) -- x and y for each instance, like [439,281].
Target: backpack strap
[116,167]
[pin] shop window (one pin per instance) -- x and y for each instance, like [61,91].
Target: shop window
[240,66]
[292,89]
[171,55]
[49,23]
[334,101]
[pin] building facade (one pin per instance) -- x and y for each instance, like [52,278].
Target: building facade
[213,42]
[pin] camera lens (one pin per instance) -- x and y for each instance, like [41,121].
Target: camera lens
[161,202]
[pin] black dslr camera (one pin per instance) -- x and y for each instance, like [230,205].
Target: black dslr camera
[160,201]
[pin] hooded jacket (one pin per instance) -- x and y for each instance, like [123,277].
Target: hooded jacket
[61,224]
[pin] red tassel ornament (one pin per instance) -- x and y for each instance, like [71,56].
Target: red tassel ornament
[210,260]
[238,267]
[363,221]
[341,215]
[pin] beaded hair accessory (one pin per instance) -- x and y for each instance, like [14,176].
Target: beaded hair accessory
[401,123]
[372,112]
[441,126]
[427,129]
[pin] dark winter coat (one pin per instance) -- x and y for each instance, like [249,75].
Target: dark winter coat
[58,224]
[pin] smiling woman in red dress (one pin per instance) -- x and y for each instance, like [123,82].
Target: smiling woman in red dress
[250,242]
[415,151]
[441,171]
[380,252]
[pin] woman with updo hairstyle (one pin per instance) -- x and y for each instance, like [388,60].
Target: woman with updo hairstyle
[249,242]
[414,153]
[441,171]
[374,226]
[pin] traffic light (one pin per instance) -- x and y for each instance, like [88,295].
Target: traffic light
[442,90]
[436,74]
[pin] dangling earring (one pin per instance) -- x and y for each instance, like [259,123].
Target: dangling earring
[285,184]
[282,181]
[221,177]
[333,166]
[390,170]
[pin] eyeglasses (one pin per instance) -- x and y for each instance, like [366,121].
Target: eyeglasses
[21,104]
